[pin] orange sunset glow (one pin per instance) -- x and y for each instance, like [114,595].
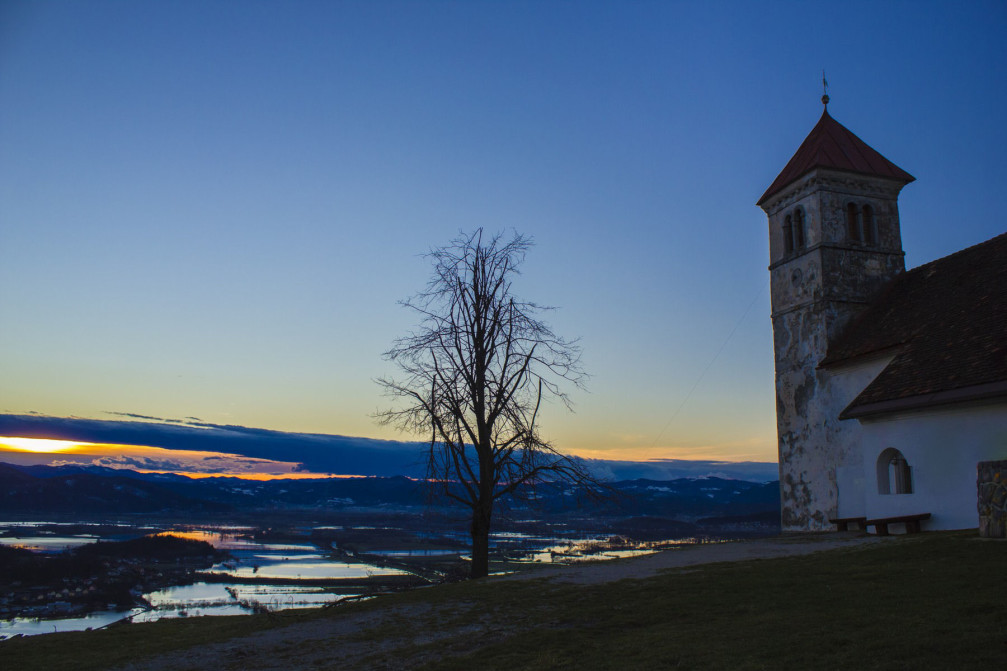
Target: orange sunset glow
[148,459]
[39,444]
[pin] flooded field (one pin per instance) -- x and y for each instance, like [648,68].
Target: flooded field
[31,626]
[48,543]
[203,598]
[261,561]
[256,576]
[269,569]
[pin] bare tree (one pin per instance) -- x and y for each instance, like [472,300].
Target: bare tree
[474,376]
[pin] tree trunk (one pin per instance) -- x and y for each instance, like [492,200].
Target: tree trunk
[481,515]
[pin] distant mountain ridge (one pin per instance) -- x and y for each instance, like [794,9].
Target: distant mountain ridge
[74,490]
[96,490]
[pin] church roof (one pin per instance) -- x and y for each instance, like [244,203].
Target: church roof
[945,322]
[831,145]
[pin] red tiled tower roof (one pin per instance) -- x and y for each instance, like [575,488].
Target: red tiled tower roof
[832,145]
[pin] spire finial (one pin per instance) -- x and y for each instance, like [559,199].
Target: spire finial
[825,91]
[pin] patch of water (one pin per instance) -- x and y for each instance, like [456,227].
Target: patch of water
[172,613]
[286,568]
[414,553]
[27,626]
[594,549]
[231,599]
[278,561]
[565,555]
[48,544]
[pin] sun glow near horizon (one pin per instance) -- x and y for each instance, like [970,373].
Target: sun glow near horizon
[148,459]
[41,444]
[756,449]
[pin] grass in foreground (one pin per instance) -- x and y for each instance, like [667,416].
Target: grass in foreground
[935,601]
[932,601]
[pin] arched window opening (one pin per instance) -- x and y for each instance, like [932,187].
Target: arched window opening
[788,235]
[894,474]
[852,223]
[869,233]
[798,228]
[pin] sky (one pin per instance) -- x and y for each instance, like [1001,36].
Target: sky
[210,210]
[143,458]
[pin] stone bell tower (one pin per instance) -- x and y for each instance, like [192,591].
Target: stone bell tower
[834,241]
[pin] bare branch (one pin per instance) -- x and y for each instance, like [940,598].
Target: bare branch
[474,375]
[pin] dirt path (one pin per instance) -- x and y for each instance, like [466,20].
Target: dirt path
[690,555]
[345,642]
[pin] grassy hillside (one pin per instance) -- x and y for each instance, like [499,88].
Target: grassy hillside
[931,601]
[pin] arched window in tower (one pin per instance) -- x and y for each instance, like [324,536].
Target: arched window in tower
[852,222]
[894,474]
[798,228]
[870,235]
[788,235]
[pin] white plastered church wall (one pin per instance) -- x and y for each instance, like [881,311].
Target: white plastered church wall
[943,446]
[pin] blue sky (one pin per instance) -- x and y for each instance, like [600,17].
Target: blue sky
[210,209]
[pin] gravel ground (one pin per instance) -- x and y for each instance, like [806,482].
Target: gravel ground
[342,642]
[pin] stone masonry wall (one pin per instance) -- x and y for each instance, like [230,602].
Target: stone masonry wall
[992,485]
[813,441]
[815,292]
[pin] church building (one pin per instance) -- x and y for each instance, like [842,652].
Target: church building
[891,385]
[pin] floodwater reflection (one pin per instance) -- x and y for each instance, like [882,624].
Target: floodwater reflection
[290,568]
[48,544]
[247,581]
[203,598]
[28,626]
[251,559]
[254,562]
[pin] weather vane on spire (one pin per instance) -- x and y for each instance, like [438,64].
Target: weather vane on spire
[825,90]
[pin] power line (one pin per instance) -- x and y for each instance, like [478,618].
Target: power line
[709,365]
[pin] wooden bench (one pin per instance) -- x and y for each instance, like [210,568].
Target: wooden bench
[912,523]
[842,523]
